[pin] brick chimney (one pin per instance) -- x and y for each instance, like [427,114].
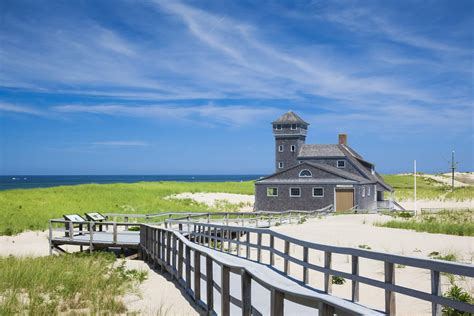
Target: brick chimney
[343,139]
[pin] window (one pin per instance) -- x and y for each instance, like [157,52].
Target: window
[305,173]
[318,192]
[375,193]
[293,148]
[280,165]
[363,191]
[278,127]
[293,126]
[368,190]
[295,192]
[341,163]
[272,191]
[300,162]
[280,148]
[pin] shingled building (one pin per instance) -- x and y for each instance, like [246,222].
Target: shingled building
[310,177]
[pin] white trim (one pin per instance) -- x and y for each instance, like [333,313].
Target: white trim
[281,165]
[280,148]
[375,193]
[368,190]
[272,194]
[363,191]
[337,164]
[310,174]
[318,188]
[295,188]
[334,197]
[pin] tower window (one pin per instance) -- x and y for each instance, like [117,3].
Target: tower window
[363,191]
[295,192]
[293,148]
[341,163]
[280,165]
[278,127]
[293,126]
[280,148]
[318,192]
[272,191]
[368,190]
[305,173]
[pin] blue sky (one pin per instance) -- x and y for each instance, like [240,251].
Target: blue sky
[156,87]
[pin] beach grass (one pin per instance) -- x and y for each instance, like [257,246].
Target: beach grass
[30,209]
[460,223]
[71,283]
[427,189]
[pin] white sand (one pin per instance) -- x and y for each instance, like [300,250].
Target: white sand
[245,202]
[157,295]
[445,180]
[350,231]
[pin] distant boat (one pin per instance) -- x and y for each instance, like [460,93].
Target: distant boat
[13,178]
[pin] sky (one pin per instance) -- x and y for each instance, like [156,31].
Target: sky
[175,87]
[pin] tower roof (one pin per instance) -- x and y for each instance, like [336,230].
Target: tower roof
[290,117]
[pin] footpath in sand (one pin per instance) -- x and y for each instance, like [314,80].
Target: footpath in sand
[358,230]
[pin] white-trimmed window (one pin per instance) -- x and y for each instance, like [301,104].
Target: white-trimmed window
[341,163]
[272,191]
[300,161]
[363,191]
[281,165]
[278,127]
[318,192]
[293,148]
[368,190]
[375,193]
[280,148]
[305,173]
[295,192]
[293,127]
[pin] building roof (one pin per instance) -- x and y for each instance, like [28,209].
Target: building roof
[319,150]
[290,117]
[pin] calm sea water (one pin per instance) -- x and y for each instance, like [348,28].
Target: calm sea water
[27,182]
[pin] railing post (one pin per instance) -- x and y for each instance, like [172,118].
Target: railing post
[305,269]
[225,290]
[272,246]
[91,237]
[286,262]
[247,246]
[71,230]
[238,243]
[115,233]
[168,248]
[209,285]
[389,295]
[158,245]
[276,304]
[197,276]
[50,238]
[327,275]
[180,259]
[188,267]
[222,239]
[246,293]
[355,284]
[215,238]
[173,255]
[208,218]
[435,290]
[259,249]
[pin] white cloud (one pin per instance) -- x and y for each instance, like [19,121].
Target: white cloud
[20,109]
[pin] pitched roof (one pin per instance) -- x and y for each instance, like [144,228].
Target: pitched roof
[290,117]
[347,176]
[320,150]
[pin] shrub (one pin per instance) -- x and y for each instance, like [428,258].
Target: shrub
[338,280]
[458,294]
[364,246]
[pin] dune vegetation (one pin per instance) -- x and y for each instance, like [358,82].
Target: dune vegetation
[30,209]
[460,223]
[72,283]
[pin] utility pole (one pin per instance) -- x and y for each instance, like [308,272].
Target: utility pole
[414,184]
[453,168]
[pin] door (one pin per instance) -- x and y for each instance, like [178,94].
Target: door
[344,199]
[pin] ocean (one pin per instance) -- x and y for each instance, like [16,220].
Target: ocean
[28,182]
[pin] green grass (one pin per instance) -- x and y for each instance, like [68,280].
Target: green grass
[30,209]
[73,284]
[459,223]
[426,189]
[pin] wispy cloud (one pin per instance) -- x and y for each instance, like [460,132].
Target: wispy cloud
[207,114]
[121,143]
[20,109]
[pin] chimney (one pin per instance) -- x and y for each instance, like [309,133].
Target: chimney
[343,139]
